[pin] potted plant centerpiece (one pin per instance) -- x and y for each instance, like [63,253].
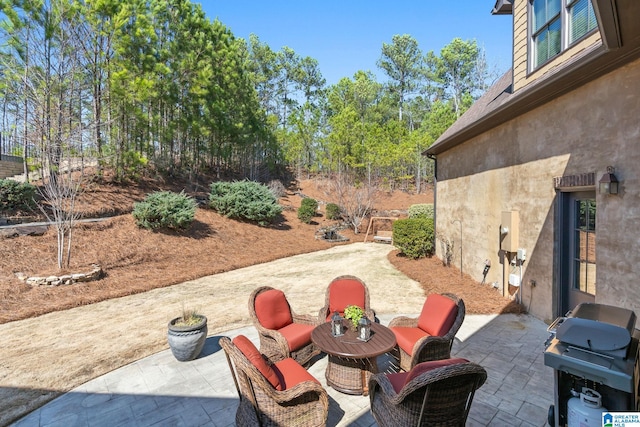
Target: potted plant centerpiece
[187,334]
[353,313]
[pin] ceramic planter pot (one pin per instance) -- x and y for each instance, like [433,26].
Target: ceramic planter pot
[186,342]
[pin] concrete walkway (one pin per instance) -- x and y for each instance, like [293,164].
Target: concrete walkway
[160,391]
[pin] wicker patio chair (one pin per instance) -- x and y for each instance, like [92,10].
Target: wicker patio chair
[301,400]
[343,291]
[435,393]
[429,336]
[282,332]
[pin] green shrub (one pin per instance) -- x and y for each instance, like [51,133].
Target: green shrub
[164,209]
[307,210]
[333,211]
[244,200]
[421,210]
[414,237]
[15,195]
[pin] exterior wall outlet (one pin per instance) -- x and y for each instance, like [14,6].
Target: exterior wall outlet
[521,254]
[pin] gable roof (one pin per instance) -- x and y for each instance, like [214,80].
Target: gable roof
[483,109]
[499,105]
[503,7]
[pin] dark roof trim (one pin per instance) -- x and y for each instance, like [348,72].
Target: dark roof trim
[608,23]
[502,7]
[590,64]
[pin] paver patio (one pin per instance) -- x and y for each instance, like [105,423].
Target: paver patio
[160,391]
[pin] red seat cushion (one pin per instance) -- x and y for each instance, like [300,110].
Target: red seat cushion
[423,367]
[407,337]
[438,315]
[398,380]
[344,292]
[272,309]
[297,335]
[251,352]
[291,373]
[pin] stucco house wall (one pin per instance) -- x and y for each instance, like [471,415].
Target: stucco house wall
[512,168]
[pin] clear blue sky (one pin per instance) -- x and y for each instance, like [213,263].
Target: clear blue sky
[347,35]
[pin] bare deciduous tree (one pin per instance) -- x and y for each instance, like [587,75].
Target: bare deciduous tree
[60,190]
[355,200]
[54,93]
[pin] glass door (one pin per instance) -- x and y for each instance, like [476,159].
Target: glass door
[578,249]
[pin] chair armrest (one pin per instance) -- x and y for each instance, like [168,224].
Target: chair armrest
[305,387]
[430,348]
[438,374]
[379,383]
[274,339]
[322,315]
[405,322]
[305,319]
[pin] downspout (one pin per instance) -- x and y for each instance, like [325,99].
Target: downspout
[435,190]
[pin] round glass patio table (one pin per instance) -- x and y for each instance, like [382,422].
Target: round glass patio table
[352,361]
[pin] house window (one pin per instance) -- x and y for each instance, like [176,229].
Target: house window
[546,30]
[582,19]
[556,24]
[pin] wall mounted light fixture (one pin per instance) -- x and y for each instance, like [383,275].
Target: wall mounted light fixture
[608,183]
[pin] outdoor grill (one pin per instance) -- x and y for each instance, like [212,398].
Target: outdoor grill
[595,347]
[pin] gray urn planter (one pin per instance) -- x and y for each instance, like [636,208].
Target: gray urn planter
[186,342]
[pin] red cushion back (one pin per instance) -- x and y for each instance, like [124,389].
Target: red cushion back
[423,367]
[251,352]
[438,315]
[272,309]
[344,292]
[397,380]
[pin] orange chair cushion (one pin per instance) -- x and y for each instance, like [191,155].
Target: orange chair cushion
[297,335]
[407,337]
[251,352]
[438,315]
[272,309]
[344,292]
[423,367]
[291,373]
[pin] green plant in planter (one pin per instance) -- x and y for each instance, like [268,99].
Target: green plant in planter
[188,318]
[187,334]
[353,313]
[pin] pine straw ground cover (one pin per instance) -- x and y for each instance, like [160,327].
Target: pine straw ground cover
[136,260]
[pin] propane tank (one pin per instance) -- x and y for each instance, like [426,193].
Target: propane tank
[585,409]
